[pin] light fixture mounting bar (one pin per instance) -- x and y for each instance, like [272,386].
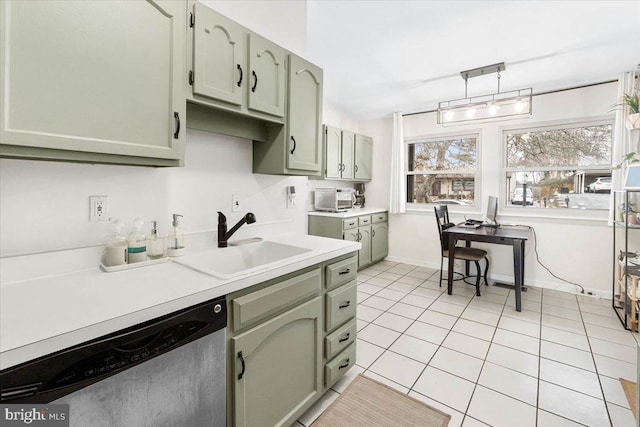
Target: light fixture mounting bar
[482,71]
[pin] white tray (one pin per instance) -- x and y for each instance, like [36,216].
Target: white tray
[134,265]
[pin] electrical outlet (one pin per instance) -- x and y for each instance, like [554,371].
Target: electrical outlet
[235,203]
[98,208]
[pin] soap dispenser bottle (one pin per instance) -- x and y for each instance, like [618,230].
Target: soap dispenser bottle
[155,244]
[175,245]
[116,250]
[137,243]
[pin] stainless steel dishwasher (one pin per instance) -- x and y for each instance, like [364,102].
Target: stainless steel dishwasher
[170,371]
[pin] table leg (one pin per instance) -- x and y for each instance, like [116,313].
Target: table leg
[467,263]
[518,270]
[452,244]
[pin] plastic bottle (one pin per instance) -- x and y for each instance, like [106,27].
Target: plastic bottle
[155,244]
[137,243]
[175,244]
[116,250]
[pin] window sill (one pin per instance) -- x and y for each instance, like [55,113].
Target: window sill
[508,214]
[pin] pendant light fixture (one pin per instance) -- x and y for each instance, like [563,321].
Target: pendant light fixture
[514,104]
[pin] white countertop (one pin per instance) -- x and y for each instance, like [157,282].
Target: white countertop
[43,310]
[349,213]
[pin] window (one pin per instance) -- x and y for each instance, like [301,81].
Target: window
[565,166]
[442,169]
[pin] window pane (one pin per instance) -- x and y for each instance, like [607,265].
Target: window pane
[568,189]
[444,154]
[454,189]
[577,146]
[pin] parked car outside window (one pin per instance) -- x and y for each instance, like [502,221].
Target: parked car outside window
[600,184]
[516,197]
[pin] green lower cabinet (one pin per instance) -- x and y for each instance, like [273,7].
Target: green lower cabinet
[370,230]
[335,369]
[277,368]
[379,241]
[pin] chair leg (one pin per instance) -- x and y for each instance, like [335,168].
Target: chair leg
[486,270]
[477,278]
[441,264]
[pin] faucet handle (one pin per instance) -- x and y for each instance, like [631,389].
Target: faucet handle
[222,220]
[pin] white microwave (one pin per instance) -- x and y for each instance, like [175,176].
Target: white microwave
[334,199]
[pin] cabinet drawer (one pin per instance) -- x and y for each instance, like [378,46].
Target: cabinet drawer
[364,220]
[335,369]
[337,341]
[340,305]
[341,272]
[379,217]
[348,224]
[257,305]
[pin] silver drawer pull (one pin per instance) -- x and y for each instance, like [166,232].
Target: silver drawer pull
[346,337]
[345,305]
[346,363]
[347,271]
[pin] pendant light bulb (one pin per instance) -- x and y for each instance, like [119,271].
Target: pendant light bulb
[519,105]
[448,115]
[471,112]
[493,109]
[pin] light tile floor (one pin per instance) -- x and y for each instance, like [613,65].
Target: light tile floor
[556,363]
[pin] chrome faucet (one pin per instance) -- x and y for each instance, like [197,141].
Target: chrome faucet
[223,235]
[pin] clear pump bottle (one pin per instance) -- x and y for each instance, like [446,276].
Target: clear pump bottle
[155,244]
[137,243]
[175,243]
[116,250]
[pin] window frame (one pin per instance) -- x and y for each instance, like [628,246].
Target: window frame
[476,172]
[520,211]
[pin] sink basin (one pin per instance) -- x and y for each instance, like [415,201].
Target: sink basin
[226,263]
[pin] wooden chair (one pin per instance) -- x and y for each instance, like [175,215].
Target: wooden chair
[462,253]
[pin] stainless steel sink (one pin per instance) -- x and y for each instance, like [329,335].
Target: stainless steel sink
[226,263]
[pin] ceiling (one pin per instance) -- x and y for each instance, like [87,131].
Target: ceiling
[385,56]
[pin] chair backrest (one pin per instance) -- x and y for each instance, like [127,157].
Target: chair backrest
[442,218]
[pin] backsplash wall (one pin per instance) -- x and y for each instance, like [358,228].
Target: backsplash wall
[44,206]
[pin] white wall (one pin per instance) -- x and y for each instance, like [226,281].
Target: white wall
[44,206]
[574,249]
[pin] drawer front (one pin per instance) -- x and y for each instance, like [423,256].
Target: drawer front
[257,305]
[348,224]
[335,369]
[340,305]
[340,339]
[379,217]
[364,220]
[341,272]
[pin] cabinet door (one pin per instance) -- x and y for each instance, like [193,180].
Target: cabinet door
[93,77]
[364,256]
[304,115]
[348,146]
[351,235]
[218,56]
[332,152]
[364,157]
[266,64]
[277,367]
[379,241]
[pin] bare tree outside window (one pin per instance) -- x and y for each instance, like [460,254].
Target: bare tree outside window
[442,170]
[561,167]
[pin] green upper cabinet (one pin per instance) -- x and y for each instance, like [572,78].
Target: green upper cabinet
[93,81]
[305,115]
[295,148]
[267,66]
[332,152]
[234,69]
[219,62]
[347,156]
[339,148]
[363,158]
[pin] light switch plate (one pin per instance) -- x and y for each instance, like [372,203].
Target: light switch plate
[235,203]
